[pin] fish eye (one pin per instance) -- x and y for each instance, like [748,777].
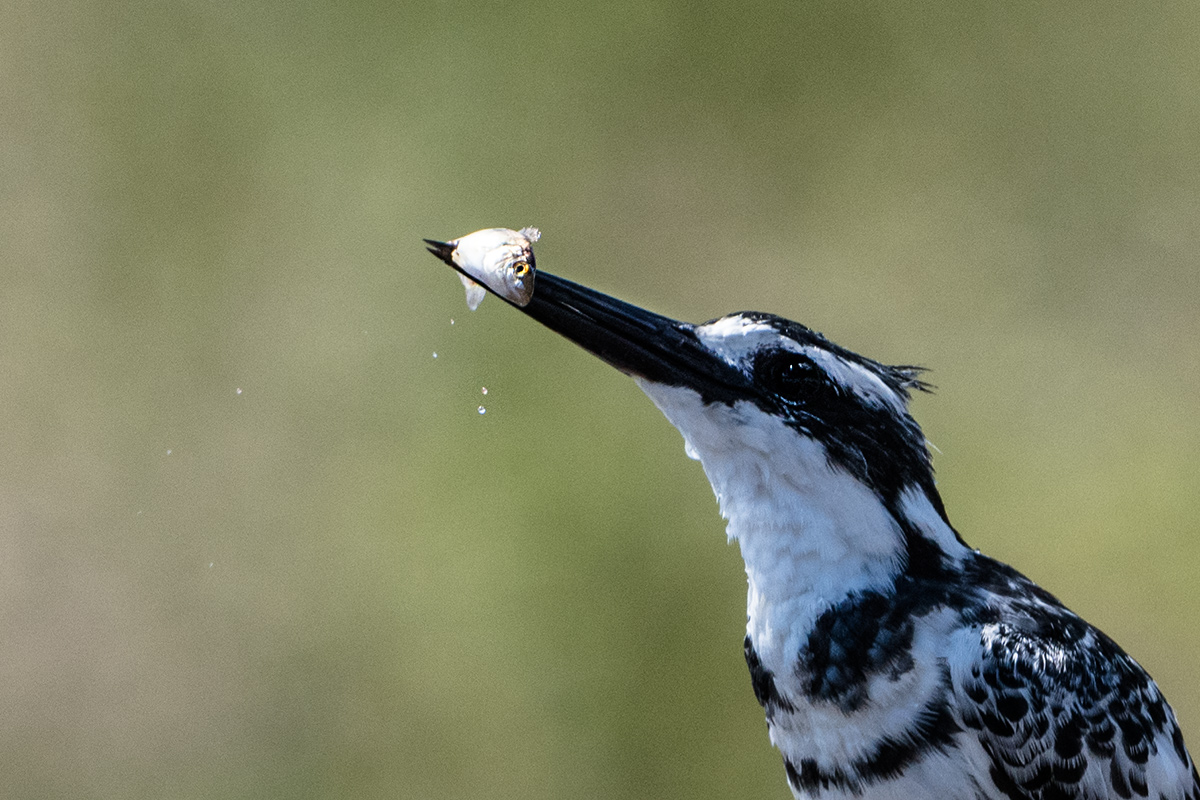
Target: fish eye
[520,269]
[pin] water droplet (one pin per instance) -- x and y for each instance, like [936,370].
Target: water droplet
[690,451]
[210,565]
[239,390]
[482,410]
[435,355]
[168,452]
[452,320]
[485,390]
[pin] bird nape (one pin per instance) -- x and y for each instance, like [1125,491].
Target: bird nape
[892,660]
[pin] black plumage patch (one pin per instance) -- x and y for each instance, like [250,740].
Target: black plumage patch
[764,683]
[871,632]
[933,730]
[865,634]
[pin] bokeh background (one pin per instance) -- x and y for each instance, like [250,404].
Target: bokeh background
[257,541]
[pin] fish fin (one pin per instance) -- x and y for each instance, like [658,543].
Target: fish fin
[475,292]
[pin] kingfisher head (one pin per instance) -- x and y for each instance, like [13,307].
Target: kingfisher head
[854,408]
[783,420]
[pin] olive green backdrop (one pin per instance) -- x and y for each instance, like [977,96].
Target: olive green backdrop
[256,541]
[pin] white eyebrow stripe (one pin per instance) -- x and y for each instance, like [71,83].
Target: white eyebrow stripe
[855,378]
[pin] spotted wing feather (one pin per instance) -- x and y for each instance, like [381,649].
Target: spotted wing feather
[1062,712]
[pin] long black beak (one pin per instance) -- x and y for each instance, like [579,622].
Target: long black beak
[635,341]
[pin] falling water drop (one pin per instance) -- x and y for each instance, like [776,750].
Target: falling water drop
[482,410]
[435,355]
[485,390]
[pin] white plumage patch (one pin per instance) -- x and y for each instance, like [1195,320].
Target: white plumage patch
[920,512]
[855,379]
[735,337]
[808,532]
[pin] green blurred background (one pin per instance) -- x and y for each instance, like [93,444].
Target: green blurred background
[258,542]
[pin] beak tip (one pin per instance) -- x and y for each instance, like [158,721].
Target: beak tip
[443,250]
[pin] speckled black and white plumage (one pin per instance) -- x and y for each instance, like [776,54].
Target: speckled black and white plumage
[892,660]
[1057,707]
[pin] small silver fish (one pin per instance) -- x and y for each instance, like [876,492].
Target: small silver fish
[498,258]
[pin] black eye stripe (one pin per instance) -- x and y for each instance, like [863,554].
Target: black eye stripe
[789,374]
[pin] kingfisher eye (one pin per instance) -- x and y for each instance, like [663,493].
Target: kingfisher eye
[790,375]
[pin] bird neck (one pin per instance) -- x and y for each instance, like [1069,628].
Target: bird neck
[806,540]
[810,532]
[810,535]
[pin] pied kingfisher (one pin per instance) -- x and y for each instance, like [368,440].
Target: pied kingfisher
[892,660]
